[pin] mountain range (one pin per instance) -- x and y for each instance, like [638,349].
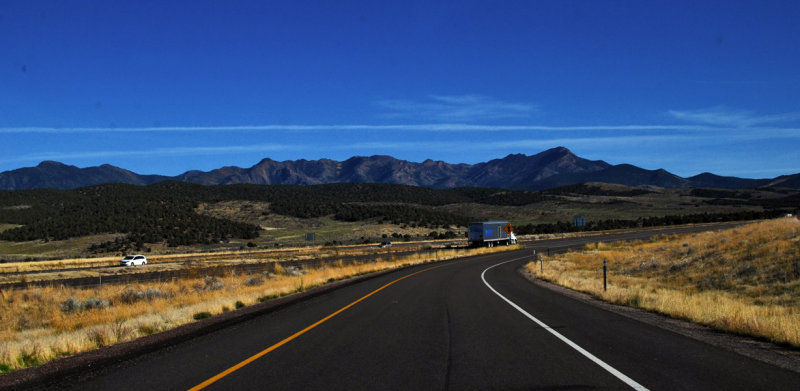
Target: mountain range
[548,169]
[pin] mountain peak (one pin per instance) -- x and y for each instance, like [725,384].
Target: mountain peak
[563,151]
[51,163]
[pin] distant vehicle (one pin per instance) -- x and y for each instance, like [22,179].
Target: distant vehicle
[133,260]
[491,233]
[386,244]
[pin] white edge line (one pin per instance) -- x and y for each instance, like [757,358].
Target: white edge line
[601,363]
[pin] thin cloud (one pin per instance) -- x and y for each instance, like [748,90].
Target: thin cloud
[176,151]
[591,141]
[724,116]
[624,140]
[366,146]
[587,142]
[770,172]
[456,108]
[691,138]
[439,127]
[616,141]
[539,143]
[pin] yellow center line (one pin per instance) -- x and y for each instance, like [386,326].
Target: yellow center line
[297,334]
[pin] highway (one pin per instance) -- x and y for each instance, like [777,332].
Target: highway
[474,323]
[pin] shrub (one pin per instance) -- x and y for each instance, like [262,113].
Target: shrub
[74,305]
[212,283]
[71,305]
[239,304]
[201,315]
[130,295]
[93,302]
[268,297]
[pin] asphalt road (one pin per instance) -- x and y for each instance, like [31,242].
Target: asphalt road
[445,327]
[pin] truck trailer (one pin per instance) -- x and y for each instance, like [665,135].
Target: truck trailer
[491,233]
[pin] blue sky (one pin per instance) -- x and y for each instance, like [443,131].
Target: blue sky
[162,87]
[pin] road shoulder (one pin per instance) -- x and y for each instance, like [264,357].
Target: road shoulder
[764,351]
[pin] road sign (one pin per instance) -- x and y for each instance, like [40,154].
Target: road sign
[311,236]
[508,229]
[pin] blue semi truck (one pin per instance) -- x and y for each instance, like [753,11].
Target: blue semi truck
[491,233]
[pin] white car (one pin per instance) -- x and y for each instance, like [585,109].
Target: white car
[133,260]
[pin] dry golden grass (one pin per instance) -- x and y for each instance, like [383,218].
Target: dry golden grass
[103,266]
[53,249]
[744,280]
[40,324]
[114,260]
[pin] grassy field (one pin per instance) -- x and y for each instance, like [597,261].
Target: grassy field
[286,230]
[744,280]
[40,324]
[658,202]
[38,249]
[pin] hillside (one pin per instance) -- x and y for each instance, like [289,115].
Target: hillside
[171,214]
[55,175]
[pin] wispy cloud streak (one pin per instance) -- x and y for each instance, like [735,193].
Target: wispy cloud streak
[724,116]
[445,127]
[456,108]
[175,151]
[687,135]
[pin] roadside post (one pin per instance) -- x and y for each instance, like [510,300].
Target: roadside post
[605,288]
[541,264]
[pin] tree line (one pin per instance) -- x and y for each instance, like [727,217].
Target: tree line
[145,217]
[602,225]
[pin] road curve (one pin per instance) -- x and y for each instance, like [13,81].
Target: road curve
[442,326]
